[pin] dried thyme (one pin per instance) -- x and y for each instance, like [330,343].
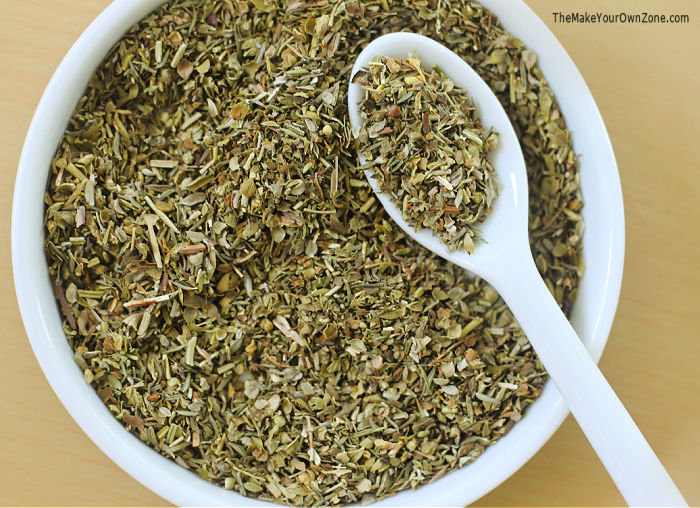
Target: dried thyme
[423,140]
[284,339]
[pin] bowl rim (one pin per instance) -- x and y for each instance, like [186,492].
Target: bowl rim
[165,477]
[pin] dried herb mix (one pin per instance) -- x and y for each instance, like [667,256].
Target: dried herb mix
[423,140]
[233,291]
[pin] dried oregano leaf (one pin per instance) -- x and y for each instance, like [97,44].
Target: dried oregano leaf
[233,290]
[424,142]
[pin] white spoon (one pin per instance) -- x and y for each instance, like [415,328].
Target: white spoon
[505,261]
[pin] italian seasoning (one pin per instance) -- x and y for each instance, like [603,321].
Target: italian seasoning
[423,141]
[234,292]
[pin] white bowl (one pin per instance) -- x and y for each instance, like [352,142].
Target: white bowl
[591,315]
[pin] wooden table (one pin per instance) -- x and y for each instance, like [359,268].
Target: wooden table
[645,79]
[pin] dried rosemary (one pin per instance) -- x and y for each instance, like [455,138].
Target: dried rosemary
[425,144]
[231,287]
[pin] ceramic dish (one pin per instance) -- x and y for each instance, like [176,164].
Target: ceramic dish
[591,315]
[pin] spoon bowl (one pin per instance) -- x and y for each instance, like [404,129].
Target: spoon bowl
[508,217]
[504,259]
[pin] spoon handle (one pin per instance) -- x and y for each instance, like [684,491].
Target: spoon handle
[630,461]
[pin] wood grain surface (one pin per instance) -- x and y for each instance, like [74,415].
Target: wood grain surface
[646,81]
